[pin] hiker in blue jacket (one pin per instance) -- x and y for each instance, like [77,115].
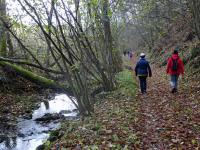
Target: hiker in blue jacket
[142,70]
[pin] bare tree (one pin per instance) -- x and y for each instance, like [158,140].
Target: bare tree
[70,49]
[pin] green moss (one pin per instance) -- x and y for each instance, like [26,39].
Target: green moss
[37,78]
[47,145]
[54,133]
[30,75]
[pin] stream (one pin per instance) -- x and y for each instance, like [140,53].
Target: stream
[31,133]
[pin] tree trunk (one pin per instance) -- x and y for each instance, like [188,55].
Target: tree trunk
[10,45]
[49,45]
[195,9]
[108,47]
[2,28]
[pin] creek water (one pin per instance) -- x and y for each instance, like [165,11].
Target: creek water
[30,133]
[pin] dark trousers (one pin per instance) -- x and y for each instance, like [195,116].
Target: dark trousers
[143,83]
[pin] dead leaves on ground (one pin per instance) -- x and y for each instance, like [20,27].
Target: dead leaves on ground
[158,120]
[171,121]
[110,127]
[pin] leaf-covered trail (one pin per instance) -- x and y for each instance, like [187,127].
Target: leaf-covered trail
[158,120]
[169,121]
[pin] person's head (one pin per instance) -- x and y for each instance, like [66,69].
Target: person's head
[142,55]
[175,51]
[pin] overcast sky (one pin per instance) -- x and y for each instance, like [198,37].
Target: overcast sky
[14,10]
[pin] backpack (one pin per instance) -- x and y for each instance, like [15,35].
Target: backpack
[174,64]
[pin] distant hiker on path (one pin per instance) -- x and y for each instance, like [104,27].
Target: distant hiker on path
[124,52]
[175,68]
[142,70]
[130,55]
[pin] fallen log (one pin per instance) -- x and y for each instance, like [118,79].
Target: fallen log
[42,81]
[29,64]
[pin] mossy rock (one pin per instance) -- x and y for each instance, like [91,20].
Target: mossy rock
[41,147]
[52,138]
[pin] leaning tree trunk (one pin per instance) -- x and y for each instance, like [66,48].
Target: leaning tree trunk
[44,82]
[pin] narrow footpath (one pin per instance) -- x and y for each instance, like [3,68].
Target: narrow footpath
[166,120]
[158,120]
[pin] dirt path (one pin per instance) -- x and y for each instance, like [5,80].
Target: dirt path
[169,121]
[158,120]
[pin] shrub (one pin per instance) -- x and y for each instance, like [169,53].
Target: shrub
[195,52]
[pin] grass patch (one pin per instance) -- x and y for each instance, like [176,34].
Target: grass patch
[126,82]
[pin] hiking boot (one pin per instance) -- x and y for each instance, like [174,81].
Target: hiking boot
[173,90]
[144,92]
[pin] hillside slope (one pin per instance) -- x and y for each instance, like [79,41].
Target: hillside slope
[180,35]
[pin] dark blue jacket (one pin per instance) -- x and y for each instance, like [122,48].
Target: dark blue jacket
[143,68]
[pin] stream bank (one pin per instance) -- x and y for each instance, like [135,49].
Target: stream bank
[27,132]
[111,126]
